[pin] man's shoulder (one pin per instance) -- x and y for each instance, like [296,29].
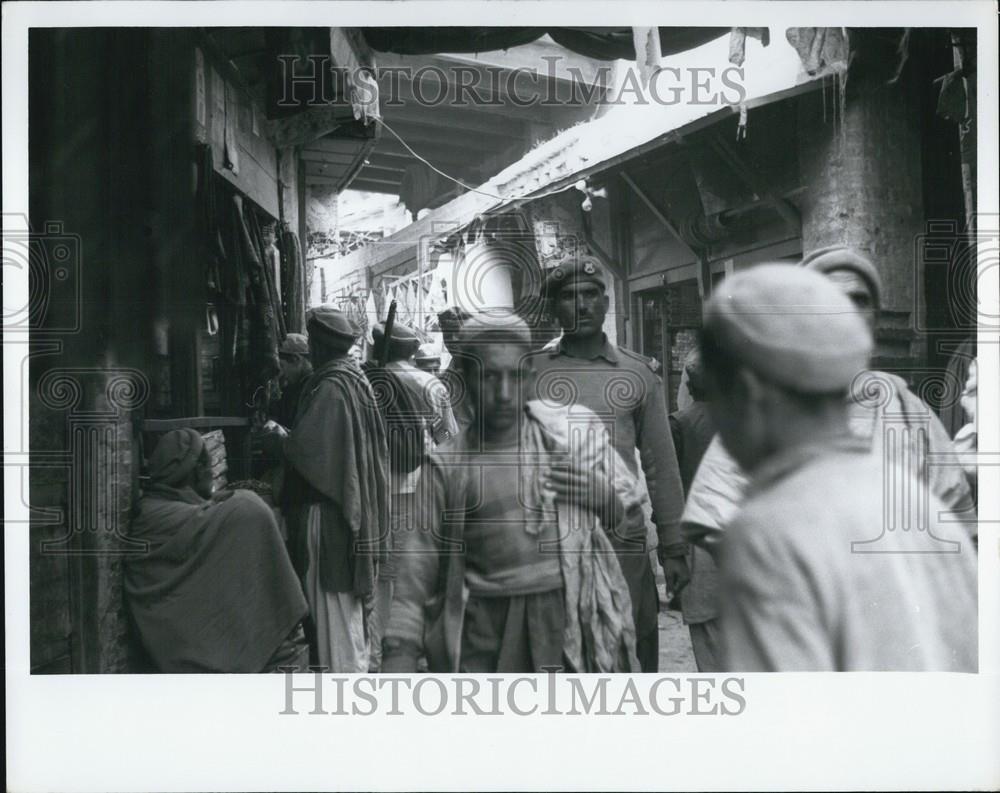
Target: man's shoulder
[695,413]
[819,493]
[554,414]
[639,362]
[548,352]
[335,379]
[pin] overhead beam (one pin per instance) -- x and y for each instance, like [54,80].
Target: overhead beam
[377,179]
[439,81]
[428,130]
[312,155]
[398,92]
[381,171]
[312,178]
[373,187]
[437,153]
[756,181]
[335,145]
[544,56]
[309,125]
[658,213]
[468,120]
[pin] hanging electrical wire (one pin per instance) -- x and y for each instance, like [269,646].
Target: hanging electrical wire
[461,183]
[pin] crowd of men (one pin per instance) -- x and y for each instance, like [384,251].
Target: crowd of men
[501,515]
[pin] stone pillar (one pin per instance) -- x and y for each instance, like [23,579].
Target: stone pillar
[860,158]
[85,419]
[321,219]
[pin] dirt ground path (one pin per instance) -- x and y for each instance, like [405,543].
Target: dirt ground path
[676,654]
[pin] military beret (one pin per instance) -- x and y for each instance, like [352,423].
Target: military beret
[333,326]
[295,344]
[565,274]
[839,257]
[791,326]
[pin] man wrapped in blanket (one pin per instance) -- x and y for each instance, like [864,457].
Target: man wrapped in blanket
[509,566]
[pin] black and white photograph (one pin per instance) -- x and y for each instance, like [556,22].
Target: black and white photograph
[381,368]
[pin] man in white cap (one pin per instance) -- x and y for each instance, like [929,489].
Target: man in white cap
[883,412]
[803,588]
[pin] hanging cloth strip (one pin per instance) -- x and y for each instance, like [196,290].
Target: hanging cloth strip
[292,278]
[274,302]
[207,221]
[262,349]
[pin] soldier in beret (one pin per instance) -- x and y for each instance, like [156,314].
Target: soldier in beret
[803,586]
[338,481]
[584,368]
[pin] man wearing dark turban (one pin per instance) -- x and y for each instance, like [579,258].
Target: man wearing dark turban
[337,482]
[214,591]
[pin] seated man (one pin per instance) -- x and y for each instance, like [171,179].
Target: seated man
[215,590]
[508,567]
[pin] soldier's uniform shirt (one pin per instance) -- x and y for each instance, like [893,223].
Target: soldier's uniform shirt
[622,388]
